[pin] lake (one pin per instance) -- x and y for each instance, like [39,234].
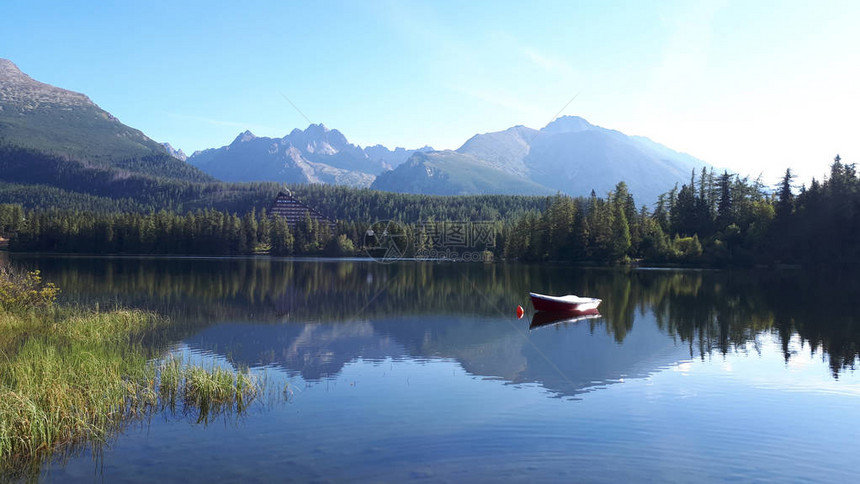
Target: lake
[419,371]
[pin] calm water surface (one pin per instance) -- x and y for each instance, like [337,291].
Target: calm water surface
[422,372]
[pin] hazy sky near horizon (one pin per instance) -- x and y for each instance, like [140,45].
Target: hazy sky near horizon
[753,86]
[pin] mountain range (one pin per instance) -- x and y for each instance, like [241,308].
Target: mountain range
[569,155]
[77,140]
[315,155]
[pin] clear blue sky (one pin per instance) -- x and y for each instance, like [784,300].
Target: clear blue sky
[755,86]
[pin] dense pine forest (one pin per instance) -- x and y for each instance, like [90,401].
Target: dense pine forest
[714,220]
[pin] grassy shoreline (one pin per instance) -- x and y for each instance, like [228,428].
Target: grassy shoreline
[76,376]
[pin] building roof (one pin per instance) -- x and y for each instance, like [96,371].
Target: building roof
[294,211]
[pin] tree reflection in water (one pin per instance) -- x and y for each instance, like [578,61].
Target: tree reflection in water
[710,311]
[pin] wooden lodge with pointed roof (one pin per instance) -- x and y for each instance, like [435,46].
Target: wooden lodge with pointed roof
[295,211]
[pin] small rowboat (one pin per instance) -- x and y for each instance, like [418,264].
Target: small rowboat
[547,318]
[563,303]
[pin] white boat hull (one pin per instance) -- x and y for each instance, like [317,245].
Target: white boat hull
[570,302]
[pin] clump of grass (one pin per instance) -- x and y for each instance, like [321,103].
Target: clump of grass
[75,376]
[206,391]
[57,386]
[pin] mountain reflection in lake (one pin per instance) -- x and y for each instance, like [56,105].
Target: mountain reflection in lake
[419,370]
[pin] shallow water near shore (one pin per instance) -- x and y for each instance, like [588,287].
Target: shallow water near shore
[421,371]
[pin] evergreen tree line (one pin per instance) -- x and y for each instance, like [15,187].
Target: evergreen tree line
[203,232]
[821,225]
[687,225]
[713,220]
[11,219]
[364,204]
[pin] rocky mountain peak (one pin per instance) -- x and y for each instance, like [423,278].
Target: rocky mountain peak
[8,69]
[22,91]
[178,154]
[567,124]
[315,154]
[315,129]
[244,137]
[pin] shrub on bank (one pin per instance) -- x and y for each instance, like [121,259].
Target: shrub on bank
[24,290]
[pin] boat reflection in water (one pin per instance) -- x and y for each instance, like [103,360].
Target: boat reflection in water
[548,318]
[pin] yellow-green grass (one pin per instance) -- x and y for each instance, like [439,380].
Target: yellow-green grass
[75,376]
[68,378]
[207,391]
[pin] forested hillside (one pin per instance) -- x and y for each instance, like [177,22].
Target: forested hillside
[715,220]
[40,180]
[58,149]
[366,205]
